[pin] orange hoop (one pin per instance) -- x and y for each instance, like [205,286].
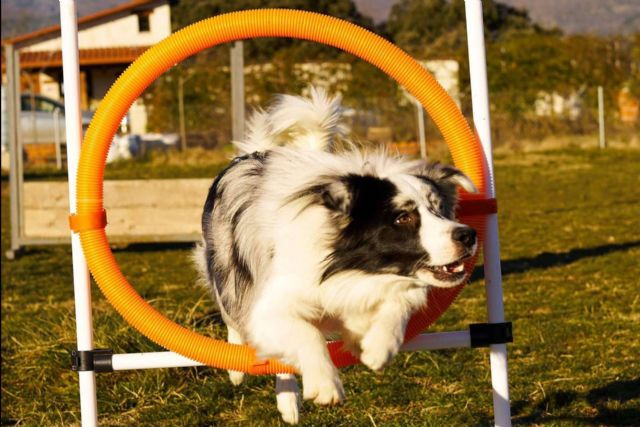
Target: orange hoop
[464,146]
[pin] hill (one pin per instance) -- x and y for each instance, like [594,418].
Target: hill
[603,17]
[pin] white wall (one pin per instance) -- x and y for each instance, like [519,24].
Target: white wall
[138,117]
[101,80]
[445,71]
[118,33]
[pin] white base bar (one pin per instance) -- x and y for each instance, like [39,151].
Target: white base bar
[169,359]
[439,341]
[151,360]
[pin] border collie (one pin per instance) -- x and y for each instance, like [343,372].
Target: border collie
[302,240]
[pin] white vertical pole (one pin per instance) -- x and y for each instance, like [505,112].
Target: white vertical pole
[603,141]
[237,91]
[81,280]
[493,274]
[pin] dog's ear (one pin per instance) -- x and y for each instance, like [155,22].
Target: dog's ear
[332,193]
[336,196]
[447,178]
[448,174]
[457,177]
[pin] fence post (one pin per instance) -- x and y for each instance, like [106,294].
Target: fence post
[603,141]
[15,148]
[183,126]
[422,139]
[237,91]
[56,137]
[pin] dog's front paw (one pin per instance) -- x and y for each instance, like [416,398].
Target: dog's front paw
[378,351]
[236,377]
[289,407]
[323,389]
[288,398]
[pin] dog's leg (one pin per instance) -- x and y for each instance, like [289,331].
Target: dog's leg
[234,338]
[303,345]
[288,398]
[385,336]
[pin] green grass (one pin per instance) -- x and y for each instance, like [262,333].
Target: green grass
[570,236]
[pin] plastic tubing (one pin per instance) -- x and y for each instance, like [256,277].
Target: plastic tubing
[465,149]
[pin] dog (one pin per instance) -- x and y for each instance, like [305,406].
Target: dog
[302,239]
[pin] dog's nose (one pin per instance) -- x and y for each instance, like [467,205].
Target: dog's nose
[464,235]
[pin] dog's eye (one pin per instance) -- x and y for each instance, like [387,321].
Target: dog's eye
[405,218]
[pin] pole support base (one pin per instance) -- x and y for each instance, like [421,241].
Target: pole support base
[98,360]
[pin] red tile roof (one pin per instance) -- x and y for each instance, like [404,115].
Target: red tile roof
[83,22]
[94,56]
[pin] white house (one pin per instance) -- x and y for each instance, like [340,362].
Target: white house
[109,40]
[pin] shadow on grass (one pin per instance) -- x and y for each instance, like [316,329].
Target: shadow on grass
[551,259]
[602,402]
[153,247]
[116,247]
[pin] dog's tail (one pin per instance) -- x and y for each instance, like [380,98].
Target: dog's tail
[311,122]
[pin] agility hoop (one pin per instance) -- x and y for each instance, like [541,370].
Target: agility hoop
[89,221]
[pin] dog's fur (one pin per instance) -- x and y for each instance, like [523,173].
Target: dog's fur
[300,240]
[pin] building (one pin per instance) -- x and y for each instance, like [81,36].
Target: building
[109,40]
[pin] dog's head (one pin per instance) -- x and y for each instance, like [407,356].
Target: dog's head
[401,224]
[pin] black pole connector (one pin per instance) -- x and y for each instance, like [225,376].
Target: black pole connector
[485,334]
[98,360]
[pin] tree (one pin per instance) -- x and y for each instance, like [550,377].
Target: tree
[419,26]
[523,60]
[257,51]
[205,76]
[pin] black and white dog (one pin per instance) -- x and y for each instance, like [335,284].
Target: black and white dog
[301,240]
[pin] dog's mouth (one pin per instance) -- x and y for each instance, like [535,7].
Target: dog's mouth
[451,272]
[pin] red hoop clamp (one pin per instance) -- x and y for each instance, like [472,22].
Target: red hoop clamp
[88,221]
[474,207]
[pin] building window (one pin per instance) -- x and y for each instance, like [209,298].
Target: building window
[144,26]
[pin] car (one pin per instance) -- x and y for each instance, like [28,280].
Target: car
[38,116]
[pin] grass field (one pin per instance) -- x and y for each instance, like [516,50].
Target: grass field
[570,235]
